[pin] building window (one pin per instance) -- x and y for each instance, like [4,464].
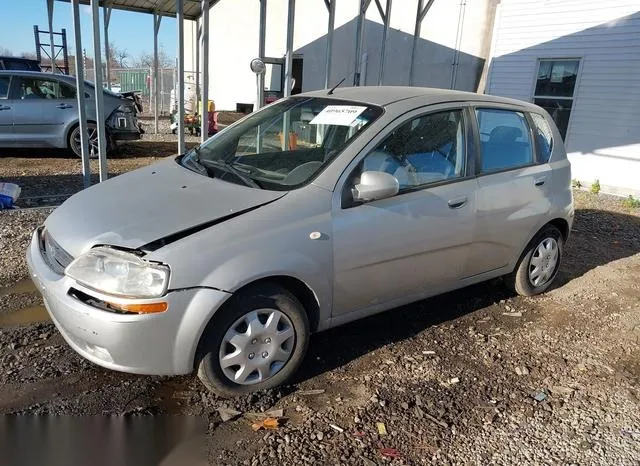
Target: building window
[555,85]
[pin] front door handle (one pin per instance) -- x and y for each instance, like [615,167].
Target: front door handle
[457,203]
[63,106]
[540,180]
[5,107]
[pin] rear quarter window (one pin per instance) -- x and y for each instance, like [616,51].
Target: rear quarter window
[544,137]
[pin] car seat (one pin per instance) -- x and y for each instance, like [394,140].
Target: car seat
[503,149]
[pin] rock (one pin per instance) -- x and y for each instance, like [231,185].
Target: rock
[404,405]
[227,414]
[319,435]
[522,370]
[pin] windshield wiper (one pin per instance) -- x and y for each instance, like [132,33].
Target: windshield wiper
[246,179]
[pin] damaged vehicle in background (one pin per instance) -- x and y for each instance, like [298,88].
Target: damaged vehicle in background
[225,259]
[41,110]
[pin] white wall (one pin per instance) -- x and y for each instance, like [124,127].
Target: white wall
[603,138]
[233,42]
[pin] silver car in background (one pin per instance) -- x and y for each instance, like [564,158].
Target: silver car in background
[225,259]
[41,110]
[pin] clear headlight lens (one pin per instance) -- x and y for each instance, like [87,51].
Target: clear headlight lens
[119,273]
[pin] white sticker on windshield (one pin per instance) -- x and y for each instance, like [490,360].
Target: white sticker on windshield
[340,115]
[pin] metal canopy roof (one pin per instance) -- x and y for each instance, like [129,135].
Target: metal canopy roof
[162,7]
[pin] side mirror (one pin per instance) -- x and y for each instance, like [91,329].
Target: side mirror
[375,185]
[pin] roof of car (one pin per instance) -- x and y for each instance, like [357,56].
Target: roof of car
[36,74]
[386,95]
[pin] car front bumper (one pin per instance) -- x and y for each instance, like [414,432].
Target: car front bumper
[157,344]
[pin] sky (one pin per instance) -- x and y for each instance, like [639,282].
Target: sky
[127,30]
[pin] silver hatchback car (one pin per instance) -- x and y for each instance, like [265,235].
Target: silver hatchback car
[225,259]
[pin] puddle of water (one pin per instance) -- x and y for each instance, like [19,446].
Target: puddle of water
[23,286]
[26,315]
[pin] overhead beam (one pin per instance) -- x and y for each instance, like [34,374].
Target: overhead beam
[99,97]
[168,12]
[420,14]
[82,109]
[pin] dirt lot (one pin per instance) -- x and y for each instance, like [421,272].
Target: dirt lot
[476,376]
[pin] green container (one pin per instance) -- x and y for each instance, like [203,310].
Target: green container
[134,81]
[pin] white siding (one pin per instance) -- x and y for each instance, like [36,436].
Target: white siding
[603,139]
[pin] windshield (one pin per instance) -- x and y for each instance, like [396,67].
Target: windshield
[254,151]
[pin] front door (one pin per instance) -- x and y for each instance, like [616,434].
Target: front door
[6,111]
[416,242]
[43,111]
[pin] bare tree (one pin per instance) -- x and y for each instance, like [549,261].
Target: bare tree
[5,52]
[145,60]
[118,57]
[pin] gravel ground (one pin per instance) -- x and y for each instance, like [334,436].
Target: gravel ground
[476,376]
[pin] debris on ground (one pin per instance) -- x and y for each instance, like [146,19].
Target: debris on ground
[318,391]
[390,452]
[540,396]
[336,428]
[268,423]
[382,429]
[9,193]
[512,314]
[228,414]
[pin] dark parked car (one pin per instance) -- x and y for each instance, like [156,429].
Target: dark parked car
[21,64]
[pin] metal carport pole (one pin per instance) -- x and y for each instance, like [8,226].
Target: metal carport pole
[204,118]
[180,81]
[82,111]
[51,43]
[331,6]
[157,19]
[107,53]
[386,17]
[416,35]
[97,68]
[364,4]
[288,71]
[261,46]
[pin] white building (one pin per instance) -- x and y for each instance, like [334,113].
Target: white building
[454,42]
[580,59]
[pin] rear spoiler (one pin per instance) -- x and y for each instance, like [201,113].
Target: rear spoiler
[135,96]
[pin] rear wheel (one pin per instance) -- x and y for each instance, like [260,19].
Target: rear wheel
[256,342]
[539,263]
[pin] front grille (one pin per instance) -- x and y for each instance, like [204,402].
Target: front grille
[56,258]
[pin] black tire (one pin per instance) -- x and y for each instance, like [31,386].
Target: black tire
[263,296]
[75,147]
[520,280]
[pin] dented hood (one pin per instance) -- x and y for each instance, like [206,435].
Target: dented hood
[147,205]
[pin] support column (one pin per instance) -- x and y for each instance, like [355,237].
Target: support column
[288,65]
[107,53]
[386,17]
[421,13]
[364,4]
[180,81]
[51,40]
[97,68]
[204,119]
[261,46]
[156,27]
[331,6]
[82,110]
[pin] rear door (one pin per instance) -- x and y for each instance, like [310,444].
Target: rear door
[44,108]
[6,111]
[513,185]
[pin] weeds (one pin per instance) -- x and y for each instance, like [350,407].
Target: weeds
[595,187]
[631,202]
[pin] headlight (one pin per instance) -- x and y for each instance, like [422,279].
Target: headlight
[119,273]
[125,109]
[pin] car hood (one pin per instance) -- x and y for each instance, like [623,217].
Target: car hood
[149,204]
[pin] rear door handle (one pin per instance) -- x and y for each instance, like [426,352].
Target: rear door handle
[63,106]
[457,203]
[5,107]
[540,180]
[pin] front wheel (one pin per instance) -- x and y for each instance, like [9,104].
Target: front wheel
[256,342]
[539,263]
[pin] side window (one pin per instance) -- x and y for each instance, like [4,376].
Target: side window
[67,92]
[544,137]
[505,141]
[4,86]
[425,150]
[38,89]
